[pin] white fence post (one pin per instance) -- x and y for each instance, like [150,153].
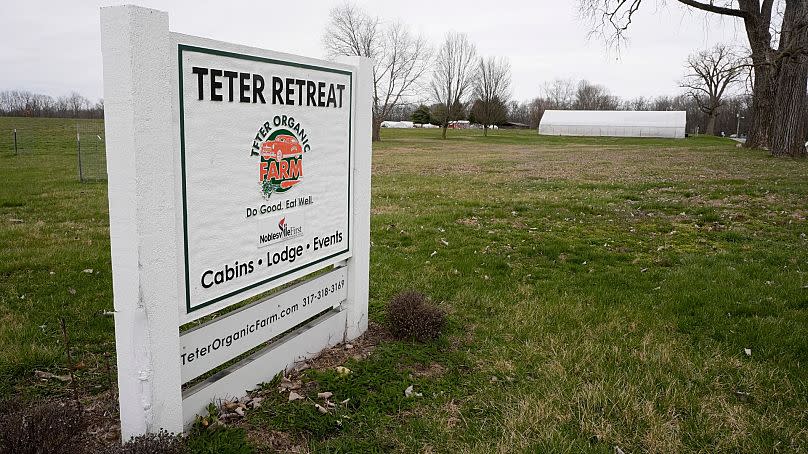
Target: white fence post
[359,264]
[140,164]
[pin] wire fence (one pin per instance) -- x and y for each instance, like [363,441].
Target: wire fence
[91,151]
[18,141]
[80,141]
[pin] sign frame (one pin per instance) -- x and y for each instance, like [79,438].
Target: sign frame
[147,227]
[196,311]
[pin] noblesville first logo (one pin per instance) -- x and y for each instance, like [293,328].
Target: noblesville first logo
[288,230]
[287,227]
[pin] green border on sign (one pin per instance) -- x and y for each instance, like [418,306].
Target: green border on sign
[184,47]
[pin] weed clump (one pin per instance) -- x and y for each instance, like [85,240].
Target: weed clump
[155,443]
[411,316]
[60,427]
[41,427]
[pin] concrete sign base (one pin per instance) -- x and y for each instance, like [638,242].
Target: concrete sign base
[233,172]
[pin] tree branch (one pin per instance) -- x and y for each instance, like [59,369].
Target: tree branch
[709,7]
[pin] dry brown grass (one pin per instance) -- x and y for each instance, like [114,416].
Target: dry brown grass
[585,163]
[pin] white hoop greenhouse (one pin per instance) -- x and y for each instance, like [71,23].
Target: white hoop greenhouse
[613,123]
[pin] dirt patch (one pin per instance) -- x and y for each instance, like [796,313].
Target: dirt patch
[469,222]
[453,415]
[276,441]
[382,210]
[426,370]
[463,341]
[101,411]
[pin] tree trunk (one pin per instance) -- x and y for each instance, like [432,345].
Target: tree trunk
[763,95]
[485,130]
[765,75]
[788,133]
[711,116]
[377,129]
[445,127]
[789,129]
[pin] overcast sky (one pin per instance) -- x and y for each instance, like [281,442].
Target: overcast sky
[52,46]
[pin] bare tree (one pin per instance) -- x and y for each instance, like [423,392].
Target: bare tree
[352,31]
[17,102]
[590,96]
[536,110]
[662,103]
[75,104]
[491,90]
[22,103]
[400,58]
[639,103]
[558,94]
[518,112]
[453,74]
[779,57]
[710,73]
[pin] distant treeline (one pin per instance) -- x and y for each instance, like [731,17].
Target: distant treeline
[566,94]
[21,103]
[561,94]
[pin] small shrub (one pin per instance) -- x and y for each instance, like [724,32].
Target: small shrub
[410,316]
[155,443]
[41,427]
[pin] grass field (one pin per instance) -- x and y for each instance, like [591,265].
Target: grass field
[601,293]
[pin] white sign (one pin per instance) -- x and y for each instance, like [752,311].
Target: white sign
[220,340]
[266,185]
[232,171]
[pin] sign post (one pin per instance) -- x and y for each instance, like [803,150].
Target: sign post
[233,172]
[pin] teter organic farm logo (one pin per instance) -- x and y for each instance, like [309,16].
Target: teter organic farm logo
[281,150]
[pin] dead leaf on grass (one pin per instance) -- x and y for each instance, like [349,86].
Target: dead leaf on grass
[410,392]
[287,384]
[49,376]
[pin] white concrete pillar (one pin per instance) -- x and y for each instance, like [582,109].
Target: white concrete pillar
[140,164]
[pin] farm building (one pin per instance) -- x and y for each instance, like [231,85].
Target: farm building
[613,123]
[459,124]
[514,125]
[397,124]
